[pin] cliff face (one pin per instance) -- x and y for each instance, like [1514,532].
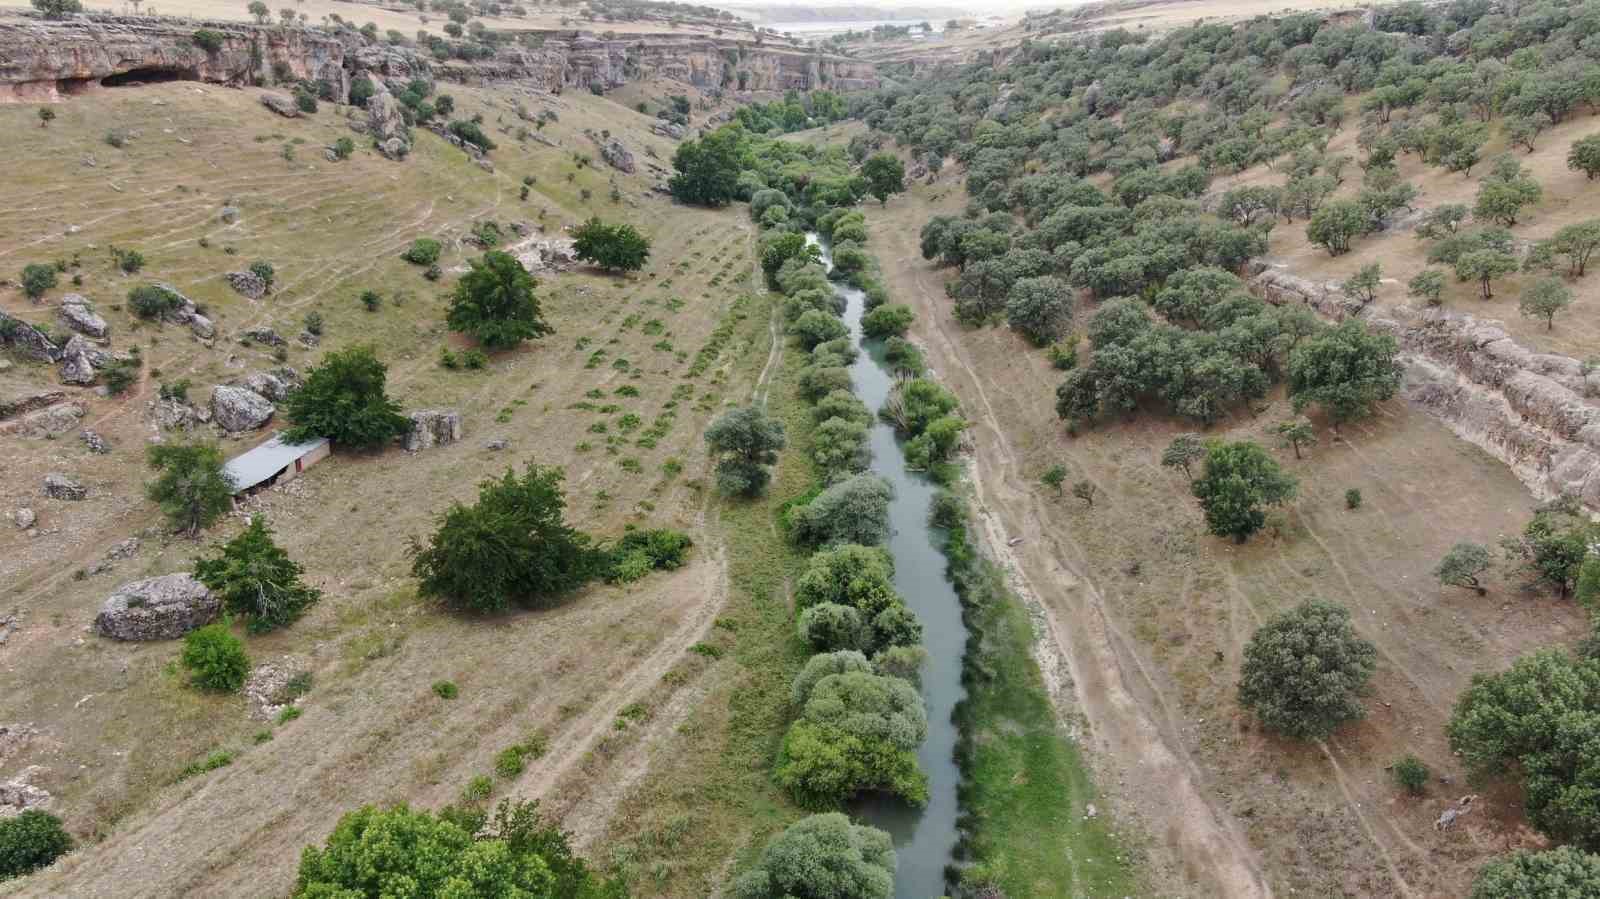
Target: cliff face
[1532,411]
[41,60]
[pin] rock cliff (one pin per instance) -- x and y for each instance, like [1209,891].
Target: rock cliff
[1535,412]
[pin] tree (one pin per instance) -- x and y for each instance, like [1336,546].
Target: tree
[1574,242]
[256,579]
[856,732]
[1502,195]
[1543,299]
[1183,452]
[708,168]
[1555,542]
[342,148]
[34,839]
[1334,224]
[1560,873]
[855,510]
[1239,479]
[885,175]
[37,278]
[1584,156]
[1084,490]
[1484,266]
[510,547]
[1411,774]
[260,11]
[888,320]
[1462,565]
[215,659]
[1346,370]
[1054,476]
[423,251]
[1428,285]
[191,487]
[615,247]
[343,399]
[1305,670]
[1295,433]
[1363,285]
[815,327]
[822,857]
[457,853]
[46,116]
[781,248]
[744,441]
[494,303]
[1537,720]
[60,9]
[1039,308]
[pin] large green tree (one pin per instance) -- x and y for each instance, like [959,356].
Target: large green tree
[1239,480]
[822,857]
[708,168]
[190,485]
[856,732]
[885,175]
[1560,873]
[1346,370]
[1305,670]
[495,304]
[35,838]
[256,579]
[343,400]
[744,441]
[616,247]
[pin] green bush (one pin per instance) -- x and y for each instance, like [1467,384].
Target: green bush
[1411,774]
[151,301]
[345,401]
[822,856]
[1305,670]
[857,732]
[472,134]
[208,40]
[423,251]
[508,762]
[215,659]
[887,321]
[640,552]
[257,580]
[1561,873]
[445,689]
[30,841]
[37,278]
[852,511]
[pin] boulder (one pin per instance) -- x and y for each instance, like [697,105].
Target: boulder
[94,442]
[59,486]
[18,794]
[157,608]
[432,427]
[202,326]
[669,129]
[274,385]
[394,148]
[27,340]
[23,518]
[308,339]
[123,549]
[281,105]
[239,409]
[273,685]
[617,156]
[48,422]
[78,314]
[77,368]
[247,284]
[265,336]
[80,346]
[386,123]
[229,214]
[175,414]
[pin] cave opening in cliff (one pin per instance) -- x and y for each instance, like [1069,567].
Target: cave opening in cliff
[134,77]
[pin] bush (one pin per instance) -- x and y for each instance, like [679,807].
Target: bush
[343,147]
[129,261]
[814,327]
[1305,670]
[472,133]
[215,659]
[856,732]
[640,552]
[1352,498]
[361,90]
[30,841]
[208,40]
[887,321]
[744,442]
[371,300]
[822,856]
[151,301]
[257,580]
[313,323]
[494,302]
[1411,774]
[343,399]
[853,511]
[306,101]
[423,251]
[445,689]
[1560,873]
[37,278]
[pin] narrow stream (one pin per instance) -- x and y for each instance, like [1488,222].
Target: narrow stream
[925,837]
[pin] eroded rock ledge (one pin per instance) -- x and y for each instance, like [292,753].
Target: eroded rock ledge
[1532,411]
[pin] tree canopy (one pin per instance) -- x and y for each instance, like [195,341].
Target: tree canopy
[1560,873]
[344,400]
[822,857]
[1239,479]
[708,168]
[1305,670]
[744,441]
[1346,370]
[885,175]
[615,247]
[190,486]
[256,579]
[494,303]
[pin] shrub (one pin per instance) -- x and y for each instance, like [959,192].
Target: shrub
[371,300]
[191,487]
[343,147]
[37,278]
[822,856]
[264,270]
[343,399]
[30,841]
[494,302]
[614,247]
[853,511]
[887,321]
[640,552]
[151,301]
[1560,873]
[313,323]
[208,40]
[1305,670]
[474,359]
[257,580]
[215,659]
[445,689]
[508,762]
[477,789]
[361,90]
[472,133]
[129,261]
[1411,774]
[744,441]
[306,102]
[423,251]
[857,732]
[1352,498]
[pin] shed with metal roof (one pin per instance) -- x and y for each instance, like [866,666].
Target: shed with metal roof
[273,462]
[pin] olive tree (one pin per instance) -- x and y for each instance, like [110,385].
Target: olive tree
[1544,299]
[1183,452]
[1363,285]
[1305,671]
[1295,433]
[744,441]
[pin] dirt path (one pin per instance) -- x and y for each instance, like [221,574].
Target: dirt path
[1105,677]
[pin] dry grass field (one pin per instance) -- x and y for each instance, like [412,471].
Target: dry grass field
[618,396]
[1153,613]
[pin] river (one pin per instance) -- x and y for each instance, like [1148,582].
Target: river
[923,837]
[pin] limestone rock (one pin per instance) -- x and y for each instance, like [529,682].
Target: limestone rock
[229,214]
[79,315]
[281,105]
[26,339]
[202,326]
[18,794]
[271,686]
[617,156]
[157,608]
[77,368]
[386,123]
[23,518]
[49,421]
[265,336]
[239,409]
[247,284]
[394,148]
[669,129]
[80,346]
[94,442]
[308,339]
[59,486]
[123,549]
[432,427]
[176,415]
[275,385]
[497,444]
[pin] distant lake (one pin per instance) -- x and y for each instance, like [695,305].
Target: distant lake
[822,29]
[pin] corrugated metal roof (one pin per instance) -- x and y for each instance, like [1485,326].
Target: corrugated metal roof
[253,467]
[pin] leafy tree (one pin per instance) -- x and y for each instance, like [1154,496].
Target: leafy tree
[1239,479]
[46,116]
[1442,221]
[60,9]
[215,659]
[472,133]
[1524,130]
[856,732]
[1428,285]
[815,327]
[885,175]
[191,487]
[152,301]
[1411,774]
[256,579]
[782,248]
[1555,542]
[260,11]
[889,320]
[1484,266]
[510,547]
[342,148]
[615,247]
[1054,476]
[1295,433]
[1039,308]
[458,854]
[1560,873]
[1183,452]
[37,278]
[822,857]
[1462,565]
[1502,195]
[830,627]
[1305,670]
[34,839]
[494,302]
[855,510]
[343,400]
[361,90]
[1584,156]
[1346,370]
[708,168]
[1535,719]
[744,441]
[1334,224]
[1363,285]
[1576,243]
[1543,299]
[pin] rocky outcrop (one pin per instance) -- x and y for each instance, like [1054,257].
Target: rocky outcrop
[247,284]
[175,415]
[387,125]
[27,340]
[59,486]
[80,359]
[18,794]
[281,105]
[273,685]
[77,313]
[22,405]
[94,442]
[616,155]
[157,608]
[50,421]
[432,427]
[263,336]
[239,409]
[275,385]
[1532,411]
